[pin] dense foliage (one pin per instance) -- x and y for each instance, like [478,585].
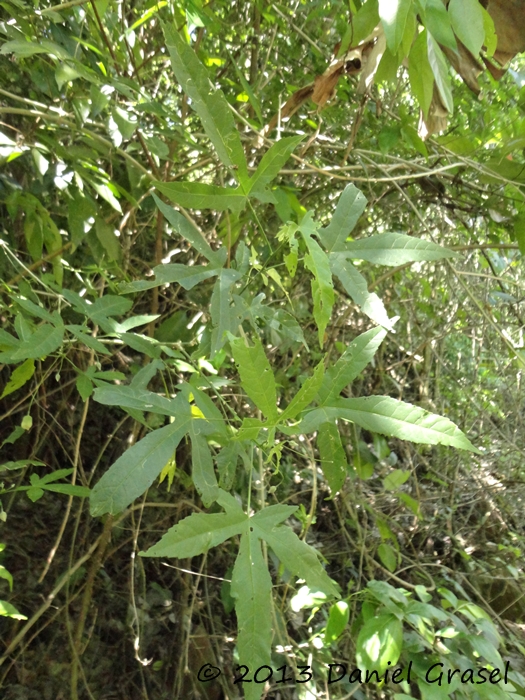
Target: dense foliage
[261,349]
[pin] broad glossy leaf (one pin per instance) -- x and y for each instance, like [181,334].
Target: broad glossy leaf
[224,316]
[256,376]
[138,467]
[251,588]
[199,532]
[210,104]
[351,363]
[350,206]
[185,229]
[197,195]
[45,340]
[467,21]
[379,642]
[306,394]
[396,249]
[382,414]
[297,556]
[356,287]
[333,456]
[394,15]
[272,162]
[440,69]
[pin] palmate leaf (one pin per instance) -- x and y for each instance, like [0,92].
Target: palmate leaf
[350,206]
[396,249]
[45,340]
[333,456]
[298,557]
[322,286]
[272,162]
[382,414]
[197,195]
[252,589]
[306,393]
[210,104]
[351,363]
[357,288]
[185,229]
[138,467]
[224,316]
[256,376]
[185,275]
[202,471]
[137,398]
[200,531]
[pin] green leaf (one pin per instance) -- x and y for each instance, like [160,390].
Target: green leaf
[351,363]
[183,227]
[210,104]
[43,342]
[251,588]
[379,642]
[188,277]
[306,394]
[4,573]
[437,20]
[439,66]
[491,38]
[361,26]
[393,15]
[203,473]
[137,398]
[466,17]
[333,456]
[272,162]
[88,340]
[396,479]
[337,621]
[350,206]
[388,556]
[396,249]
[197,195]
[322,286]
[109,241]
[224,317]
[8,610]
[84,386]
[420,71]
[19,377]
[199,532]
[139,466]
[257,378]
[298,557]
[69,490]
[382,414]
[356,287]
